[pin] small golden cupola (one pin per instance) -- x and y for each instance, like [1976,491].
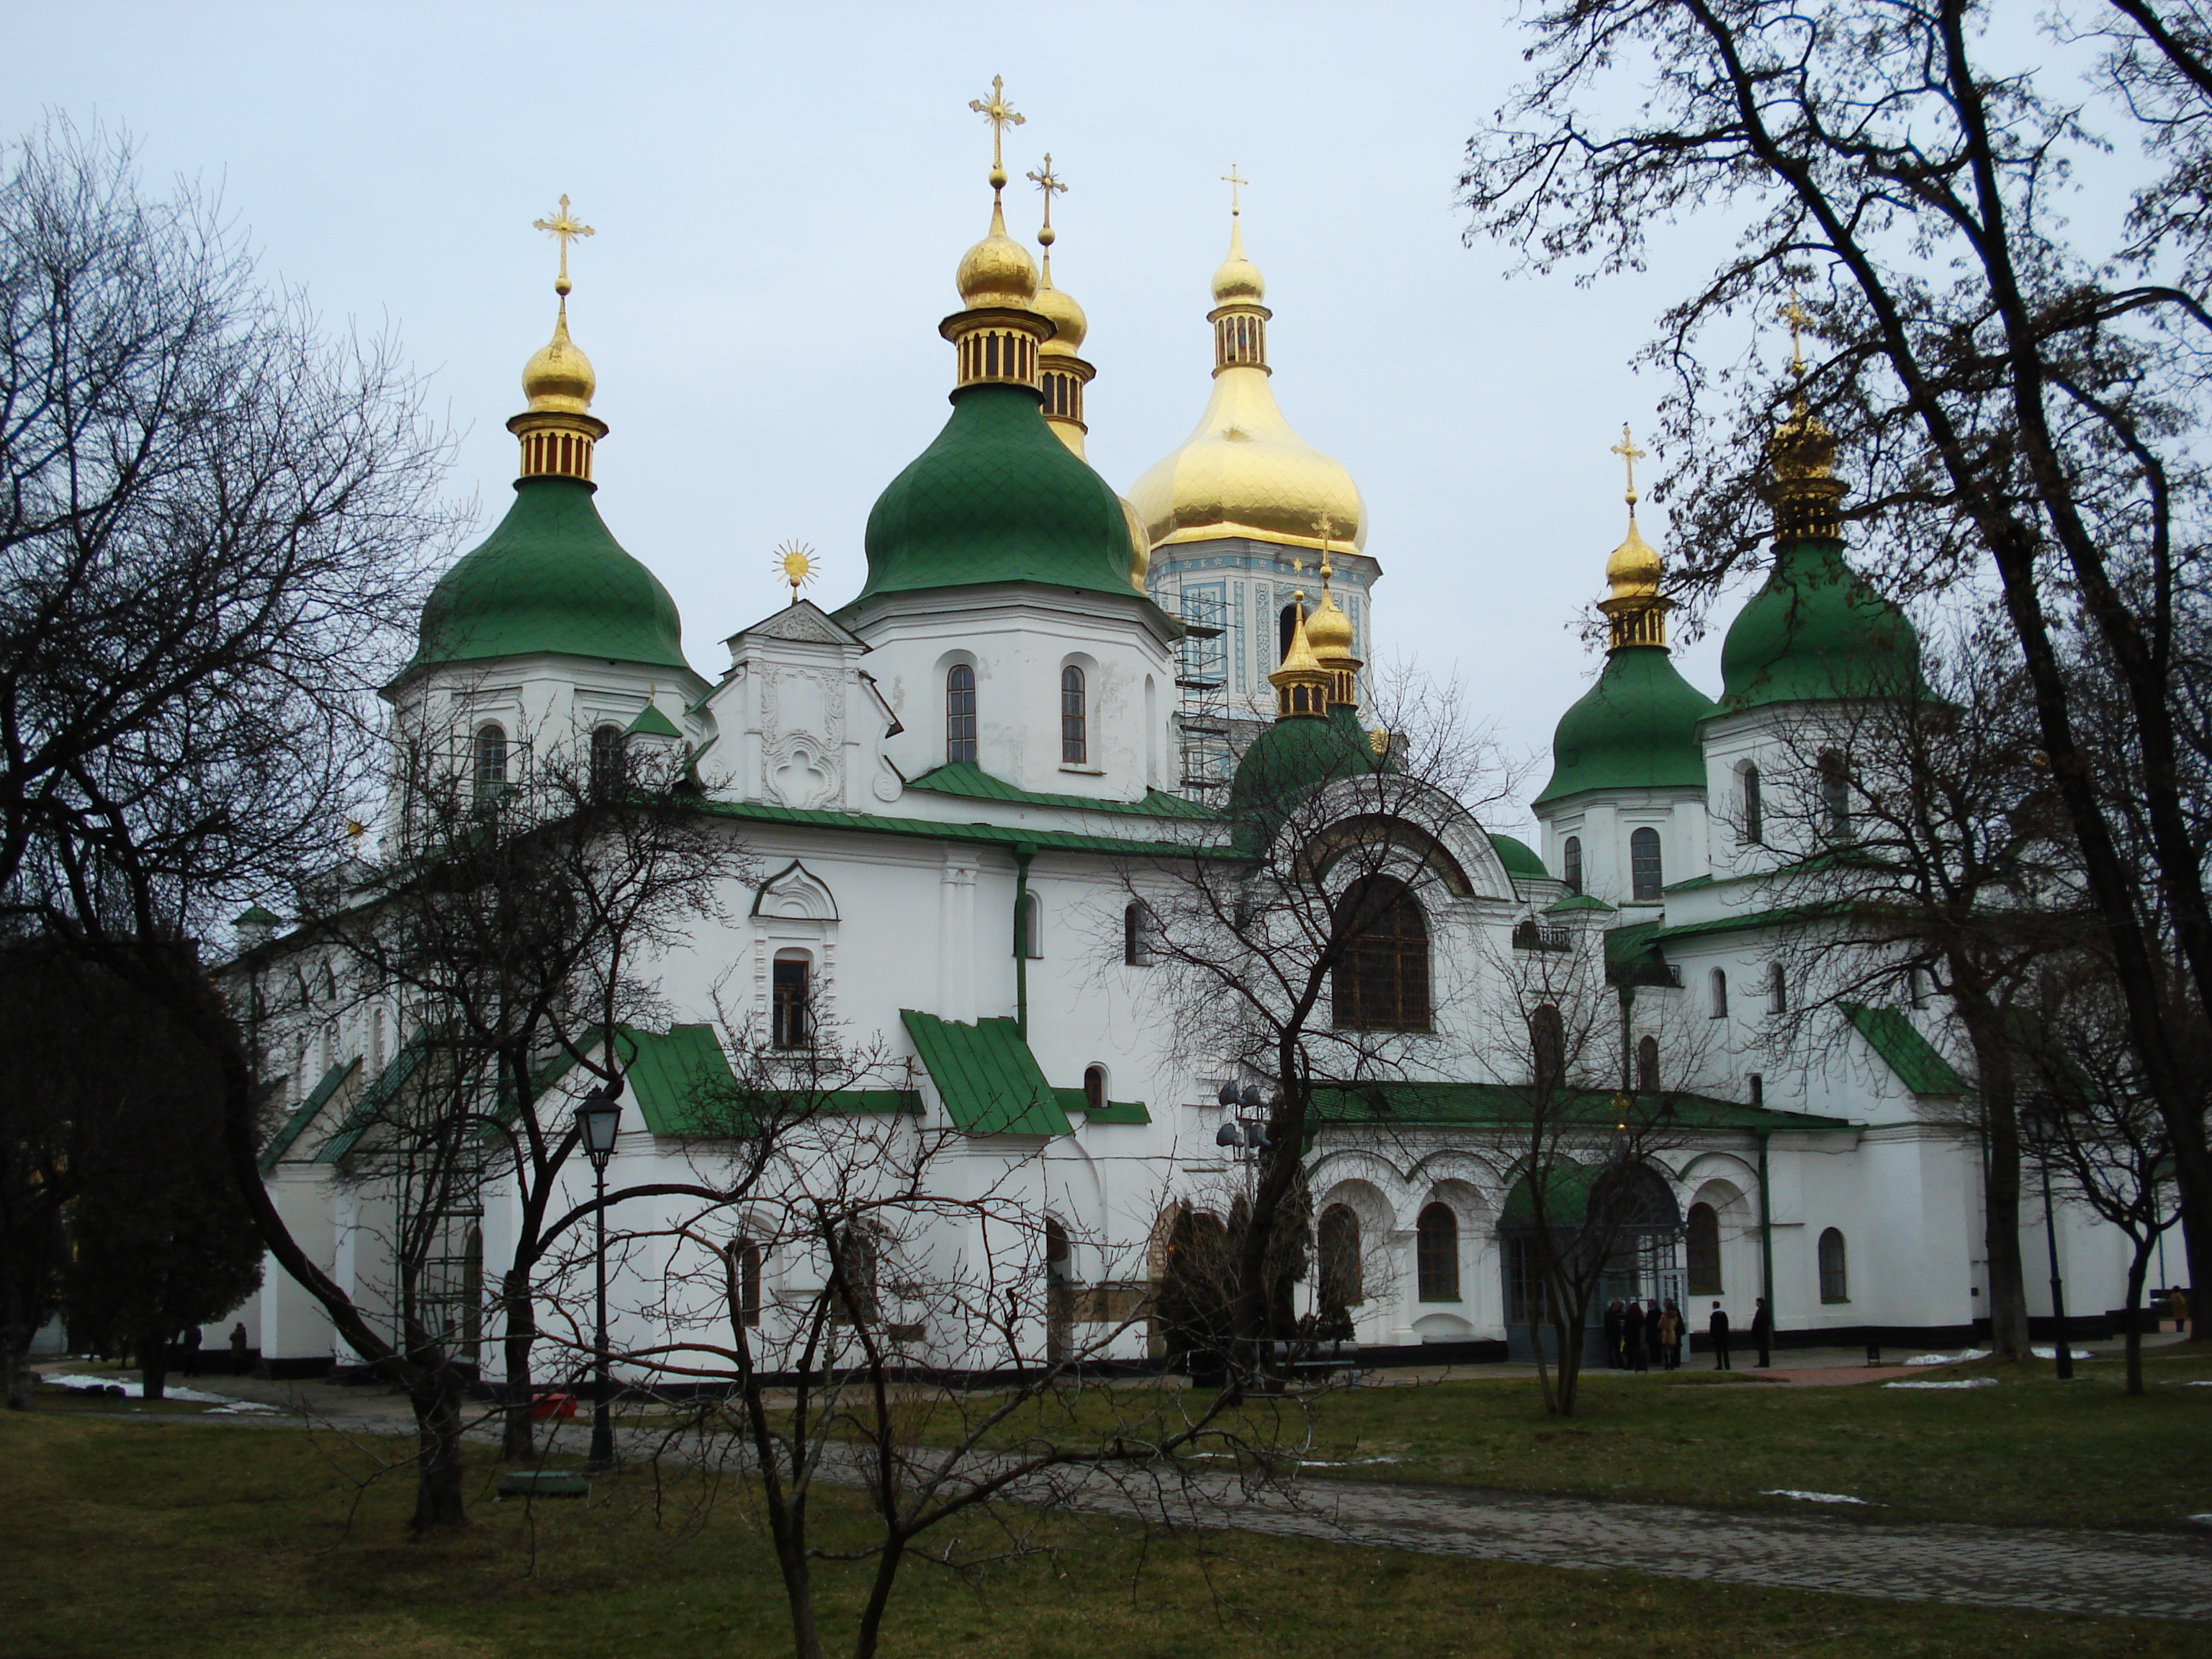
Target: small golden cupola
[998,330]
[1302,685]
[1062,372]
[1328,631]
[1806,495]
[1635,610]
[556,427]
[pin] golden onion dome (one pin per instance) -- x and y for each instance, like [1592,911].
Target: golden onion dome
[1069,323]
[998,271]
[1632,568]
[1238,280]
[1140,547]
[1328,630]
[559,377]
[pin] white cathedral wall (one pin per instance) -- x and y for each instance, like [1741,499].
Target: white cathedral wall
[1604,820]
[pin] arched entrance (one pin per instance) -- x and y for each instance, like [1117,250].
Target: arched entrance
[1614,1227]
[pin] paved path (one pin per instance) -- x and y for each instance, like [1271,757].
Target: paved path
[2142,1574]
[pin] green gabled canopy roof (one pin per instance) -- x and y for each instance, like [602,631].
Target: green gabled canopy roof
[1491,1105]
[373,1099]
[972,782]
[652,723]
[1633,955]
[254,916]
[1575,901]
[1918,1067]
[1636,728]
[1817,632]
[997,497]
[1113,1111]
[551,579]
[305,1113]
[988,1079]
[1518,857]
[668,1074]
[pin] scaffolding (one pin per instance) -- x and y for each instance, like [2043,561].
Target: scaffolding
[1202,678]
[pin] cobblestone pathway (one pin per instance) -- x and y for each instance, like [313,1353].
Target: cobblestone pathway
[2145,1575]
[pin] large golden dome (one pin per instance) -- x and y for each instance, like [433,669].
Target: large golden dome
[998,271]
[1242,471]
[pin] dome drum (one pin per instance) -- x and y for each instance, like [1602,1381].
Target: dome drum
[996,345]
[557,444]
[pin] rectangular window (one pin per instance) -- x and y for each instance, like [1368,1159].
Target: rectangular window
[1074,725]
[788,1013]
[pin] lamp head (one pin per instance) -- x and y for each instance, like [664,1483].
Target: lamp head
[599,1119]
[1227,1096]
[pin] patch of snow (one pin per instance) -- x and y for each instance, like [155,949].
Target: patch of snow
[1946,1359]
[137,1391]
[1345,1463]
[2052,1353]
[1949,1382]
[1818,1496]
[2198,1382]
[2202,1520]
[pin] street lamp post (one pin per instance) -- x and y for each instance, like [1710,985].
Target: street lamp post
[2040,1127]
[598,1119]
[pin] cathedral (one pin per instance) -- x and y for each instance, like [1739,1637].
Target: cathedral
[1042,684]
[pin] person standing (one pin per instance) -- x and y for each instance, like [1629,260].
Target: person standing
[1718,1325]
[1612,1329]
[1654,1344]
[1633,1336]
[1670,1336]
[2180,1304]
[237,1349]
[1762,1331]
[191,1347]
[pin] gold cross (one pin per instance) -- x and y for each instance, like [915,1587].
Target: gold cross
[1630,454]
[1051,184]
[561,228]
[1002,115]
[1798,318]
[1235,185]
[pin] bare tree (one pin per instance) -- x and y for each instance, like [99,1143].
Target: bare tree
[2023,404]
[1293,950]
[510,929]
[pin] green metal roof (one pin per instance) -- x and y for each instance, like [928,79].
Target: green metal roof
[994,834]
[551,578]
[1113,1111]
[1495,1105]
[254,916]
[1567,1187]
[1814,633]
[1632,959]
[666,1072]
[990,1082]
[968,780]
[1751,921]
[1299,754]
[652,723]
[1636,728]
[1517,856]
[998,498]
[304,1114]
[373,1099]
[1575,901]
[1918,1067]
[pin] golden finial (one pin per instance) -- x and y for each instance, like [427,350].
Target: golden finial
[1799,319]
[1235,185]
[795,562]
[1052,184]
[562,228]
[1630,454]
[1002,115]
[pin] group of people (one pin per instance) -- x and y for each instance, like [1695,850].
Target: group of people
[1643,1336]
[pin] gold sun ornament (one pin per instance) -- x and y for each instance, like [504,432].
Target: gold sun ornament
[794,561]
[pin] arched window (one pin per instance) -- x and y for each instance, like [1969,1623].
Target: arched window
[745,1257]
[1835,1281]
[1755,826]
[1137,924]
[1074,722]
[1835,796]
[1382,980]
[1719,984]
[790,996]
[490,760]
[1435,1254]
[1778,989]
[1644,875]
[1094,1088]
[959,713]
[1338,1238]
[1285,625]
[1704,1248]
[1029,928]
[1570,861]
[1547,1047]
[1647,1065]
[606,760]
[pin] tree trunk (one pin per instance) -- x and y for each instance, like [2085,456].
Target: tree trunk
[518,1440]
[2196,1247]
[879,1595]
[2138,1270]
[2008,1337]
[15,1347]
[154,1364]
[438,1502]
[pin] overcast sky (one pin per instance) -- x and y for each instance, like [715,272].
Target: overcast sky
[782,194]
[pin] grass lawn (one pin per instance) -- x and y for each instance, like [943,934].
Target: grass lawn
[121,1539]
[2029,1449]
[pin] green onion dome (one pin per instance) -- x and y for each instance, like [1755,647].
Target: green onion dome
[1295,756]
[1518,857]
[551,579]
[997,498]
[1636,728]
[1817,632]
